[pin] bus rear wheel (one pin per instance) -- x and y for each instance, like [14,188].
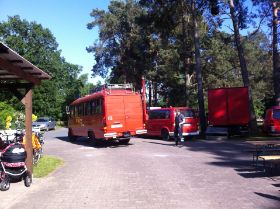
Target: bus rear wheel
[124,141]
[92,138]
[165,135]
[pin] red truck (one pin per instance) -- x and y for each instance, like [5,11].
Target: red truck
[228,111]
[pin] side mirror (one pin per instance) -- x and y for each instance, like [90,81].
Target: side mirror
[67,110]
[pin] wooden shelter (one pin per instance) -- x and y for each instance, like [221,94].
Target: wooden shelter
[19,76]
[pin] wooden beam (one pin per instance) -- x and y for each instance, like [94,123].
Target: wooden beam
[26,86]
[14,88]
[17,71]
[15,61]
[28,130]
[26,68]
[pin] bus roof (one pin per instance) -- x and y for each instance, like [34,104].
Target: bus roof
[108,89]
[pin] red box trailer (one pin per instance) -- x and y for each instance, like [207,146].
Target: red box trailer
[229,108]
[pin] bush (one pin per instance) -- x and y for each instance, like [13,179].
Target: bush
[5,111]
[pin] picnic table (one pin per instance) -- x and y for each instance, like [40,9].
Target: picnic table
[268,153]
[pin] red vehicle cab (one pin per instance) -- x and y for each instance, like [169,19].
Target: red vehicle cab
[161,122]
[271,123]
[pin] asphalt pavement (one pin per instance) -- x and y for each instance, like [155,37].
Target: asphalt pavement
[147,174]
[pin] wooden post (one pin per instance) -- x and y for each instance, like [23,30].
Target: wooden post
[28,129]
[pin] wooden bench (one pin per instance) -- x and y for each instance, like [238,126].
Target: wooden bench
[269,154]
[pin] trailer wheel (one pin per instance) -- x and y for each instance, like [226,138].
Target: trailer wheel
[5,182]
[165,135]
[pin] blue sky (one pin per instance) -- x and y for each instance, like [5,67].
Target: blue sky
[66,19]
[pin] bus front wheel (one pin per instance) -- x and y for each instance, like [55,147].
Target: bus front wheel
[71,137]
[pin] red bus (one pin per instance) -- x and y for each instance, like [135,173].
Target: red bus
[113,112]
[161,122]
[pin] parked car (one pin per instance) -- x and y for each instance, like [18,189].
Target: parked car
[271,123]
[44,124]
[161,122]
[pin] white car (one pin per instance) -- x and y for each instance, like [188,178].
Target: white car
[44,124]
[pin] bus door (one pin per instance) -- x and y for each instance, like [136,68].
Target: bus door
[124,113]
[133,111]
[115,116]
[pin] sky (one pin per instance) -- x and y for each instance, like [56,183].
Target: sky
[67,20]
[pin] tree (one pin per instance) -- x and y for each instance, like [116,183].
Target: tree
[198,67]
[121,43]
[236,21]
[38,45]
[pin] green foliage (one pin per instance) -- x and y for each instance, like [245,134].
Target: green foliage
[5,111]
[39,46]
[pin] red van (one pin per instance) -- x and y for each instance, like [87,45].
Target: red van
[271,123]
[161,122]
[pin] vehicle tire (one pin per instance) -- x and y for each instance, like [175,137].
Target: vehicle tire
[71,137]
[27,179]
[5,183]
[165,135]
[124,141]
[92,138]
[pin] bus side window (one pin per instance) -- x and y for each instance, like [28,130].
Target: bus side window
[93,107]
[81,109]
[76,110]
[72,111]
[99,106]
[87,108]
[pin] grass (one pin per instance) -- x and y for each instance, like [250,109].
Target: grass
[46,165]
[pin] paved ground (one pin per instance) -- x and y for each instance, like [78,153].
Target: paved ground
[148,173]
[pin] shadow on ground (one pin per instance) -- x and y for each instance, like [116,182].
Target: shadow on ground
[84,141]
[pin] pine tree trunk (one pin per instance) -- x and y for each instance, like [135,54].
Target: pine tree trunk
[184,53]
[276,61]
[243,66]
[198,71]
[150,93]
[155,88]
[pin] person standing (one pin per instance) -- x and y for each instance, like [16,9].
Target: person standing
[179,121]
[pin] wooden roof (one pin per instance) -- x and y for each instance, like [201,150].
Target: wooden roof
[15,68]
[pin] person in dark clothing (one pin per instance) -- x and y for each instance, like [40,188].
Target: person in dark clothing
[179,121]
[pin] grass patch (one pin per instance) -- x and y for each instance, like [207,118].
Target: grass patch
[46,165]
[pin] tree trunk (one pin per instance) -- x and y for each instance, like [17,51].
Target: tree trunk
[276,62]
[150,93]
[243,66]
[155,88]
[198,70]
[186,55]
